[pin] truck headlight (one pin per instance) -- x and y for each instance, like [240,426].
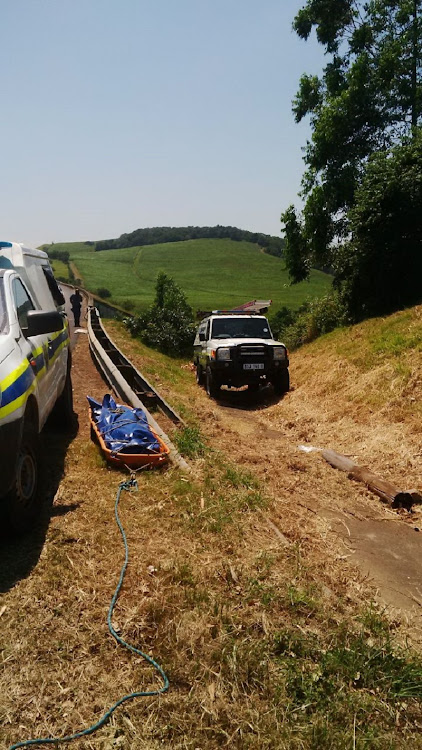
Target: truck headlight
[223,353]
[279,352]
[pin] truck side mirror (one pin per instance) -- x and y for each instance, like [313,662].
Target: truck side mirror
[202,336]
[40,322]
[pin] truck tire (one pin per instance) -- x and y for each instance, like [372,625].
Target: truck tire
[281,383]
[199,374]
[212,386]
[22,502]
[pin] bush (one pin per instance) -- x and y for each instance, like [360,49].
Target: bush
[103,292]
[168,324]
[315,318]
[53,254]
[281,320]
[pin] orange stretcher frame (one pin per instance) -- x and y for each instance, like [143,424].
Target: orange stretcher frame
[131,460]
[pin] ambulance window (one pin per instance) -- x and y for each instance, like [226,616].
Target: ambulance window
[4,322]
[54,288]
[22,302]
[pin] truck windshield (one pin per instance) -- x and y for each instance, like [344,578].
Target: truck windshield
[240,328]
[4,320]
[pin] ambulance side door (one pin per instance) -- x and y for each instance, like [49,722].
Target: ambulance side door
[35,349]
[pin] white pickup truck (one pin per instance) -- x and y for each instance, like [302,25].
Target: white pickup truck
[34,376]
[236,348]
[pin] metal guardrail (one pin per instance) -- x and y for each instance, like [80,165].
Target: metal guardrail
[128,382]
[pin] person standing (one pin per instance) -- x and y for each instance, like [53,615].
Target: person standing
[76,304]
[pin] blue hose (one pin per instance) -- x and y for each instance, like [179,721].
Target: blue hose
[141,694]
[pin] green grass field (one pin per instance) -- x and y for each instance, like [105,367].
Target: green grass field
[212,273]
[60,269]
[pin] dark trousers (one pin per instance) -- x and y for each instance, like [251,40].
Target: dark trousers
[76,316]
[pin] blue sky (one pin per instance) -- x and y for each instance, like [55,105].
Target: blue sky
[119,114]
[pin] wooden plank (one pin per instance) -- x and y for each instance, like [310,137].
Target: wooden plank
[338,461]
[387,491]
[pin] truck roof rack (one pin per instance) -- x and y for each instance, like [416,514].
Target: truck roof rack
[254,307]
[235,312]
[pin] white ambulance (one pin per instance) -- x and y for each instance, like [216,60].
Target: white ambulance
[34,376]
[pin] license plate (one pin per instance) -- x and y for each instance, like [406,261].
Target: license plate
[254,366]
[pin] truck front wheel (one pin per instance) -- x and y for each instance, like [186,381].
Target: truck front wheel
[211,384]
[281,382]
[199,374]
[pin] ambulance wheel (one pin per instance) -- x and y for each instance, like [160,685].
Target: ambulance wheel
[23,502]
[62,414]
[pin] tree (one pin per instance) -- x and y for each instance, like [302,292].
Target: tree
[296,252]
[380,268]
[368,100]
[168,324]
[154,235]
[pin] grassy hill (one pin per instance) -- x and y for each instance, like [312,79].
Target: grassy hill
[213,273]
[370,372]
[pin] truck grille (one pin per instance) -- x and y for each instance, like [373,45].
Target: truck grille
[251,350]
[253,354]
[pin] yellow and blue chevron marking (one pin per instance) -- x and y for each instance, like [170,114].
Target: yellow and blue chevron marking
[58,342]
[21,382]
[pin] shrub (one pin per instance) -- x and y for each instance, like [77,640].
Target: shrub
[281,320]
[168,324]
[315,318]
[54,254]
[103,292]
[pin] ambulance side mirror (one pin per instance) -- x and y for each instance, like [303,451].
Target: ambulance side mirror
[43,322]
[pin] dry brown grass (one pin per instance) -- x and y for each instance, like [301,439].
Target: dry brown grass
[360,392]
[233,612]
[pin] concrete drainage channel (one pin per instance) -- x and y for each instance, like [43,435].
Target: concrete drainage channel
[129,384]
